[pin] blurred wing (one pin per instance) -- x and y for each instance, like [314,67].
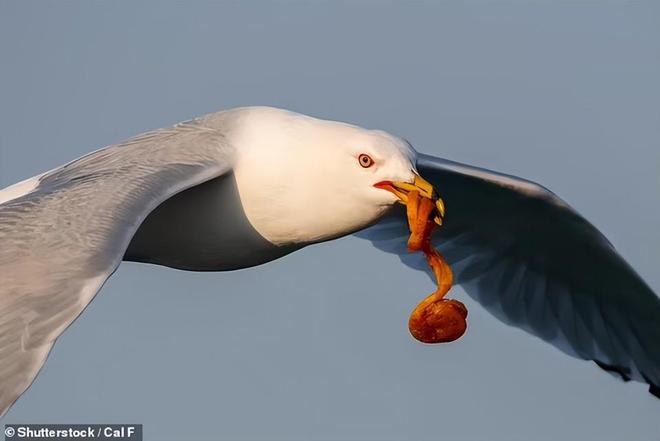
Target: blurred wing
[535,263]
[61,241]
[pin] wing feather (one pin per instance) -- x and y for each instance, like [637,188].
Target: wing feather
[535,263]
[63,239]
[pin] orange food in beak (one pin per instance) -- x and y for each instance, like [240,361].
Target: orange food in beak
[435,319]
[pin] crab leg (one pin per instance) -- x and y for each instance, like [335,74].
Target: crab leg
[435,319]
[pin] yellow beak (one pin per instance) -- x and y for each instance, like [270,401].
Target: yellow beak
[419,184]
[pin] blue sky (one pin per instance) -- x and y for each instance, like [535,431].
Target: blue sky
[563,93]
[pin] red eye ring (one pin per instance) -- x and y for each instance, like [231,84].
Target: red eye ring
[365,160]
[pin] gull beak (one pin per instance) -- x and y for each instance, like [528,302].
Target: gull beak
[419,184]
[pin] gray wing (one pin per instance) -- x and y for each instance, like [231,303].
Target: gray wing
[60,242]
[535,263]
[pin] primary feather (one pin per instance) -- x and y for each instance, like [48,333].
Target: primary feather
[535,263]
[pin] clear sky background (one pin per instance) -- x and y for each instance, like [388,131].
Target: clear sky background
[563,93]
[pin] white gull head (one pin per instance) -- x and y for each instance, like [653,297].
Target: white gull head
[302,179]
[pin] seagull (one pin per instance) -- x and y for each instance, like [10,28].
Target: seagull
[242,187]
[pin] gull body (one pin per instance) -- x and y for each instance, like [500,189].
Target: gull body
[294,181]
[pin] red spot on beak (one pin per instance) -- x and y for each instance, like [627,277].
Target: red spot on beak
[384,185]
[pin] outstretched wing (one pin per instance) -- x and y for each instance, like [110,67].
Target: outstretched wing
[535,263]
[61,241]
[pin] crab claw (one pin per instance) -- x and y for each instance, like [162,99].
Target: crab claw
[424,189]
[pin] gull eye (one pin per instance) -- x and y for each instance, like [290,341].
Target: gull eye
[365,160]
